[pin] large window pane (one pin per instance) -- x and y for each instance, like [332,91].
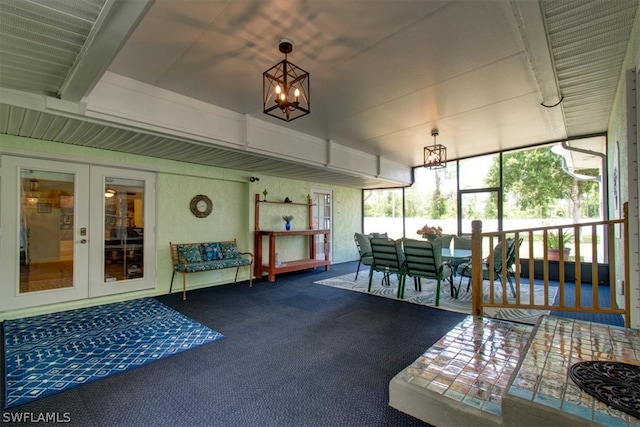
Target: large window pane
[542,187]
[383,212]
[432,200]
[477,172]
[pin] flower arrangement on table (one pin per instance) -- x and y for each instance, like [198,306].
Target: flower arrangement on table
[430,233]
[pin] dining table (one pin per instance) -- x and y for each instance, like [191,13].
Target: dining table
[456,254]
[455,257]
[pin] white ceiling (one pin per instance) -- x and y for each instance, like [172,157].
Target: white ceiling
[384,73]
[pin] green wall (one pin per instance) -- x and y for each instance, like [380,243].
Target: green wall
[232,217]
[617,134]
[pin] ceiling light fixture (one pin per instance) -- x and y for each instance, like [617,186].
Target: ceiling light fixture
[34,187]
[285,88]
[109,192]
[435,156]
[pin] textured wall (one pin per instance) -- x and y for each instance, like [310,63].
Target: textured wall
[233,212]
[619,136]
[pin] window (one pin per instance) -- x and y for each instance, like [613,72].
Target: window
[535,187]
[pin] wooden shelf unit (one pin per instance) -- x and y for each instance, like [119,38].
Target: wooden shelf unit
[270,267]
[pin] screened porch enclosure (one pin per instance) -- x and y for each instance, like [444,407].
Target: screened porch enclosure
[543,186]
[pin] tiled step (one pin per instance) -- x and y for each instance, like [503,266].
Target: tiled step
[487,372]
[540,391]
[460,379]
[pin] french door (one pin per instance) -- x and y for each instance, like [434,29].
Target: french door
[55,233]
[322,219]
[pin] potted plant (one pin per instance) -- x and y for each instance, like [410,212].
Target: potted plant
[430,233]
[553,245]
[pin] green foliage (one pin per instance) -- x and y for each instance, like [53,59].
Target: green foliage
[534,184]
[438,208]
[536,180]
[383,203]
[536,177]
[554,239]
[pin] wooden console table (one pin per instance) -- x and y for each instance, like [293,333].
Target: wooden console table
[272,269]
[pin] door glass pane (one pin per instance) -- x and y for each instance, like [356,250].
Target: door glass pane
[479,206]
[46,230]
[321,219]
[123,229]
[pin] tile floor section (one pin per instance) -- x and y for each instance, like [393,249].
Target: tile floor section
[472,364]
[557,344]
[475,361]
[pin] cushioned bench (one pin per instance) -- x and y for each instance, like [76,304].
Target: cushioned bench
[207,256]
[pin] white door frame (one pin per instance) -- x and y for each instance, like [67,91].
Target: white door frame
[97,284]
[314,192]
[88,245]
[10,296]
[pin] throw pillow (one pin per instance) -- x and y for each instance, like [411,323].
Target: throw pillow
[229,250]
[211,251]
[189,253]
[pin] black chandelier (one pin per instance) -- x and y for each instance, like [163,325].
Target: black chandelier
[435,156]
[285,88]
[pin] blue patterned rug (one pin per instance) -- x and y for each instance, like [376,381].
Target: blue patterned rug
[54,352]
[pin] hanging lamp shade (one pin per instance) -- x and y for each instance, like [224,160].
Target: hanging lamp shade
[285,88]
[435,156]
[34,187]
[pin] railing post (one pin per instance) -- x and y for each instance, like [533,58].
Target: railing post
[476,267]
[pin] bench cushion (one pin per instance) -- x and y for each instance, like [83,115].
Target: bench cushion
[212,265]
[189,253]
[211,251]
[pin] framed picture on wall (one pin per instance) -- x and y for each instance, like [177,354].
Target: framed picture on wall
[44,207]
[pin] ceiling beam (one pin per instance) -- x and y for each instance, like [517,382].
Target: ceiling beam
[112,28]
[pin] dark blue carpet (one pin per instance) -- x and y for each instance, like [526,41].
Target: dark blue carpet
[50,353]
[294,354]
[586,300]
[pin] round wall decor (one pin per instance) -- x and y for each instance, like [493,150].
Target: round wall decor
[201,206]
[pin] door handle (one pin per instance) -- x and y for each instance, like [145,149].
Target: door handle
[83,241]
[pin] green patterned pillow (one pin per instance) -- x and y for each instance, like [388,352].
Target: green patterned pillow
[189,253]
[229,250]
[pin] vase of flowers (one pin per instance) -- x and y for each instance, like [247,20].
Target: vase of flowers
[430,233]
[287,221]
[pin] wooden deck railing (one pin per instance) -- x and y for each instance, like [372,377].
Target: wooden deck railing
[516,289]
